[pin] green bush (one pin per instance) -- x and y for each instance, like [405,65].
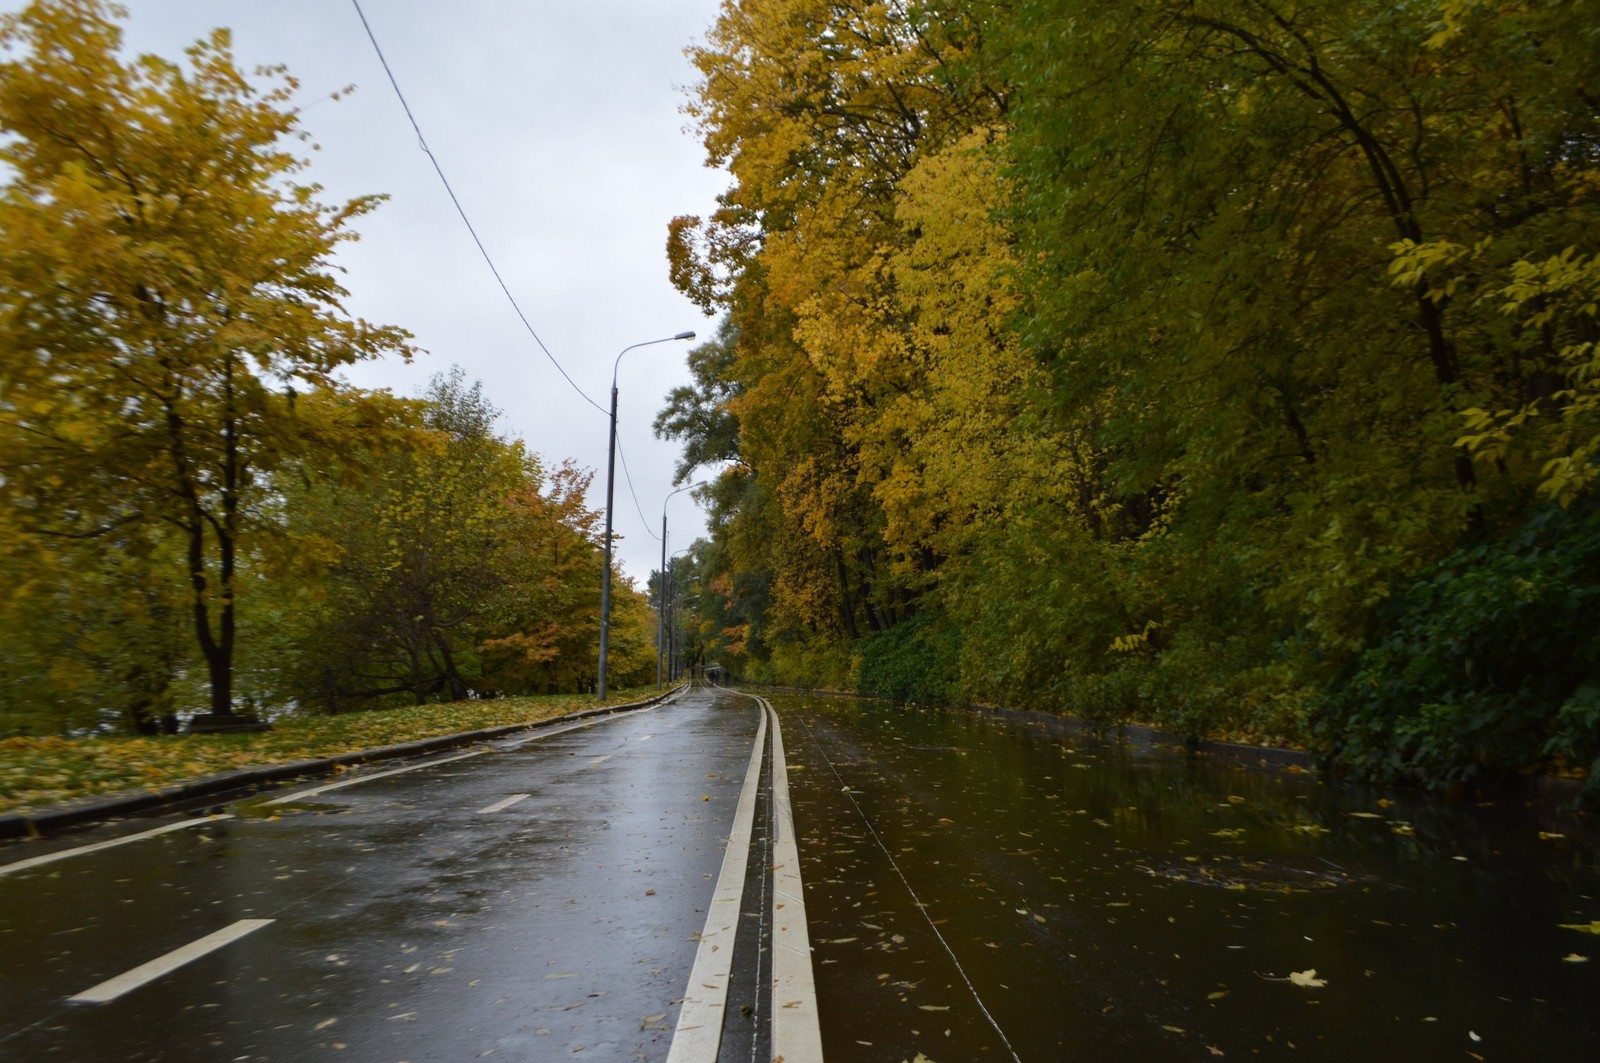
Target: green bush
[917,661]
[1490,663]
[818,665]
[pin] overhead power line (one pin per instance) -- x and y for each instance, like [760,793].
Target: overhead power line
[626,475]
[423,144]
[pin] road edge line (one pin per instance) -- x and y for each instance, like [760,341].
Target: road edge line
[226,785]
[315,791]
[578,721]
[109,843]
[697,1038]
[796,1026]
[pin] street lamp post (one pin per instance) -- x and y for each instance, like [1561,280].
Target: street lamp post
[680,608]
[611,483]
[661,590]
[672,608]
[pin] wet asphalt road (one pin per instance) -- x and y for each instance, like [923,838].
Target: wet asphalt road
[982,889]
[540,900]
[975,889]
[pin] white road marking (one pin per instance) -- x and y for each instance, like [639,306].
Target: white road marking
[597,761]
[301,795]
[47,858]
[551,732]
[699,1033]
[145,973]
[504,803]
[35,861]
[498,748]
[578,725]
[796,1029]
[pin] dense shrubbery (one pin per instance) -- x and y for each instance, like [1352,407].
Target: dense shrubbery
[1488,662]
[914,662]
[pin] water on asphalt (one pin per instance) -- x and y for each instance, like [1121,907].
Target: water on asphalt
[980,889]
[409,922]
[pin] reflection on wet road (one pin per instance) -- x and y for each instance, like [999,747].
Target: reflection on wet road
[533,902]
[980,890]
[977,889]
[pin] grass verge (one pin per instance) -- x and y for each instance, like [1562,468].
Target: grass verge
[38,772]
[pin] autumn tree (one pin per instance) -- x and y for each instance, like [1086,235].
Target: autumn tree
[819,111]
[1175,360]
[543,636]
[411,554]
[168,303]
[457,564]
[97,633]
[1267,247]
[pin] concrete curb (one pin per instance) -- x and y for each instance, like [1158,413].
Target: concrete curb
[130,803]
[1142,737]
[1137,735]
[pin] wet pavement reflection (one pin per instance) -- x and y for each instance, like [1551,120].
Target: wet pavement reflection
[530,903]
[981,889]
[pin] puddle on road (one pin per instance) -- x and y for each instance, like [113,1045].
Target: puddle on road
[976,887]
[268,810]
[1222,871]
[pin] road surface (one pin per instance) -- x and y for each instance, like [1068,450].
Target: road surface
[541,897]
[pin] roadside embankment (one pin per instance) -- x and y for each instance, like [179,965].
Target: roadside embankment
[1550,788]
[52,783]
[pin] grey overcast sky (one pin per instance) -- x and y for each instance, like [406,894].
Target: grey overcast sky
[559,125]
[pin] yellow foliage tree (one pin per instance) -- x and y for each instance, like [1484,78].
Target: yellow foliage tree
[168,303]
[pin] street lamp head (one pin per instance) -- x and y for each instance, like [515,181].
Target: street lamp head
[611,461]
[686,487]
[616,365]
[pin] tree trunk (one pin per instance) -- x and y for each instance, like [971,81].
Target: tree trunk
[1312,80]
[452,676]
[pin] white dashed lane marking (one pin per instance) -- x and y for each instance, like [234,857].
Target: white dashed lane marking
[145,973]
[504,803]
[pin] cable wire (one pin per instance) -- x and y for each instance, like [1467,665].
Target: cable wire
[438,169]
[423,144]
[626,475]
